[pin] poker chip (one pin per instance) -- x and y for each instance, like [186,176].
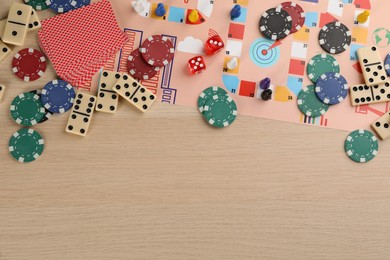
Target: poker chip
[331,88]
[58,96]
[29,64]
[334,37]
[321,64]
[38,5]
[387,64]
[207,94]
[26,109]
[361,146]
[220,111]
[157,50]
[275,23]
[48,114]
[82,3]
[297,15]
[309,104]
[138,68]
[26,145]
[61,6]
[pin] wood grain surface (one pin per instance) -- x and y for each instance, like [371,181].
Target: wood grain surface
[164,185]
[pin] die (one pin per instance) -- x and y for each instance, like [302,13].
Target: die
[213,45]
[196,65]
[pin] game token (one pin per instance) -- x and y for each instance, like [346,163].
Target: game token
[331,88]
[26,109]
[297,15]
[361,146]
[334,37]
[138,68]
[321,64]
[26,145]
[309,104]
[157,50]
[387,64]
[207,94]
[48,114]
[275,23]
[61,6]
[29,64]
[57,96]
[81,3]
[38,5]
[220,111]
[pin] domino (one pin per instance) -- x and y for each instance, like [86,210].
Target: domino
[4,50]
[17,24]
[2,27]
[107,99]
[134,93]
[2,90]
[363,94]
[81,115]
[372,65]
[382,126]
[34,23]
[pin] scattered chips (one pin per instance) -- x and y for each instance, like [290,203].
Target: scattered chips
[275,23]
[321,64]
[48,114]
[58,96]
[138,68]
[157,50]
[331,88]
[61,6]
[309,104]
[220,111]
[334,37]
[297,15]
[387,64]
[207,94]
[26,109]
[361,145]
[38,5]
[29,64]
[26,145]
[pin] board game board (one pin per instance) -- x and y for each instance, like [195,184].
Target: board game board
[283,61]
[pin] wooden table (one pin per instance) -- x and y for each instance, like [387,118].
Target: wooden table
[164,185]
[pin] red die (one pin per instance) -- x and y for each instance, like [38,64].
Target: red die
[213,45]
[196,65]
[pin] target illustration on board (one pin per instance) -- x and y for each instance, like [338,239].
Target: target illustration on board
[263,54]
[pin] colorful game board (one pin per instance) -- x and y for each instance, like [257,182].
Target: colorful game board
[283,61]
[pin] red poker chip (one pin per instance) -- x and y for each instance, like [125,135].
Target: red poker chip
[29,64]
[157,50]
[297,15]
[138,68]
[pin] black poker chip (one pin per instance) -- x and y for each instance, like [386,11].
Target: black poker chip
[275,23]
[334,37]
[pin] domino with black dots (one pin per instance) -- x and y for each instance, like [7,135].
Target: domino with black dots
[382,126]
[372,65]
[363,94]
[134,93]
[2,90]
[34,23]
[81,114]
[17,24]
[107,98]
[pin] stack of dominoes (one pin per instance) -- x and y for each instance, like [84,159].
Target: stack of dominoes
[13,30]
[376,88]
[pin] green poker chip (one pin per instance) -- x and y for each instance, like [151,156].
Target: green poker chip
[361,146]
[26,145]
[26,109]
[309,104]
[207,94]
[220,111]
[38,5]
[321,64]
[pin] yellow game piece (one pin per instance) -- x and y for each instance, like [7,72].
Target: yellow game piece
[193,17]
[362,18]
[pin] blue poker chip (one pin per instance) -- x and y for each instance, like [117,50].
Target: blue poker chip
[62,6]
[331,88]
[387,64]
[57,96]
[82,3]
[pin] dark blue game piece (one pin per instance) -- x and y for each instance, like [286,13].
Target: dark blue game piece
[265,83]
[266,94]
[160,10]
[235,12]
[331,88]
